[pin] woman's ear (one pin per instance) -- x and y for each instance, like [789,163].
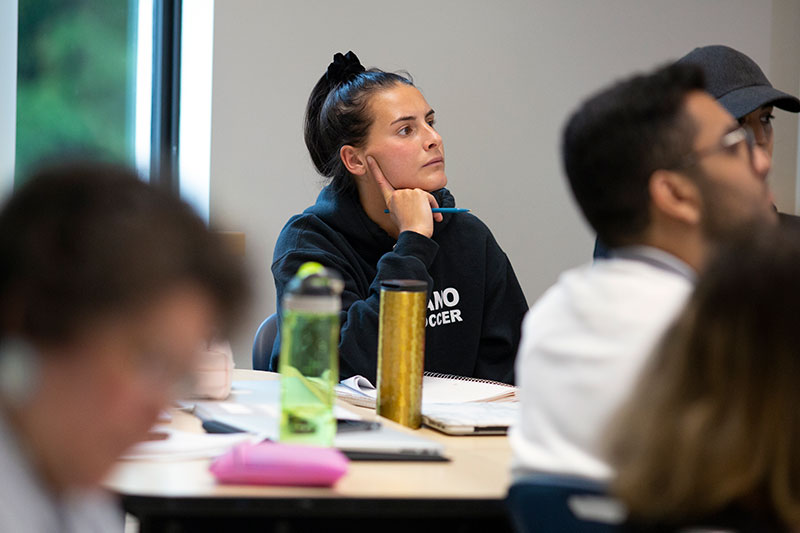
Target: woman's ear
[354,160]
[676,196]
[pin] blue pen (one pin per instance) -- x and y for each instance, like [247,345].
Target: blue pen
[444,210]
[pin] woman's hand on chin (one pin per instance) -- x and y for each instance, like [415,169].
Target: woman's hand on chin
[409,209]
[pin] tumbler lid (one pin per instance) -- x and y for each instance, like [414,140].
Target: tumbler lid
[404,285]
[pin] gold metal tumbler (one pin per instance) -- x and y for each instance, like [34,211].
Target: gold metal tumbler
[401,350]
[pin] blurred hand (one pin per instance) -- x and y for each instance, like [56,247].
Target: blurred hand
[214,372]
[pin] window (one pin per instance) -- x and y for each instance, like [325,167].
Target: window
[102,78]
[76,80]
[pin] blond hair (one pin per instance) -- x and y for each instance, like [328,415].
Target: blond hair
[715,419]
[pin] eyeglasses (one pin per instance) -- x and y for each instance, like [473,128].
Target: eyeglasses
[728,143]
[159,369]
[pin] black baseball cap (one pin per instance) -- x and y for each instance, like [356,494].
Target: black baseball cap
[737,83]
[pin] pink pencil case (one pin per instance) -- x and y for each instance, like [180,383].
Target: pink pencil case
[272,463]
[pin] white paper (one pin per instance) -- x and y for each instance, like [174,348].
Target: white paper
[183,445]
[360,385]
[436,390]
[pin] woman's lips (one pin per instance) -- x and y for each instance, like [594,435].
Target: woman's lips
[433,162]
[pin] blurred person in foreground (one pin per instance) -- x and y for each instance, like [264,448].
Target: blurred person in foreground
[664,175]
[711,435]
[108,288]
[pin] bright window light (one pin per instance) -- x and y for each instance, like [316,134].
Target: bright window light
[8,94]
[197,49]
[144,87]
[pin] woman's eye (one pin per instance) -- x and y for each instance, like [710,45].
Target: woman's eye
[767,119]
[405,130]
[432,123]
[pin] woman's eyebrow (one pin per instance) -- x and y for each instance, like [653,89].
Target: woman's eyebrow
[401,119]
[411,117]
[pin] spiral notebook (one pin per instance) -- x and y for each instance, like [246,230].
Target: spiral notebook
[436,388]
[456,405]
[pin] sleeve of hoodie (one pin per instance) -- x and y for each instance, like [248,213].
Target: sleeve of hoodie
[411,258]
[504,308]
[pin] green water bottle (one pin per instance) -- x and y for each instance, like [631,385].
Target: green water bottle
[309,361]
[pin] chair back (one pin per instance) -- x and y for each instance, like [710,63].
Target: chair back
[548,502]
[264,341]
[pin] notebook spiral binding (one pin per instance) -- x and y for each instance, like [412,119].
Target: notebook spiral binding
[466,378]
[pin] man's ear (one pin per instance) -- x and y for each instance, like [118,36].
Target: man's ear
[676,196]
[354,161]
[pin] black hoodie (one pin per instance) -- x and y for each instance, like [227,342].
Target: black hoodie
[475,305]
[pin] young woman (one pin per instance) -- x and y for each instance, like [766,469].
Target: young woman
[372,133]
[107,290]
[741,87]
[711,437]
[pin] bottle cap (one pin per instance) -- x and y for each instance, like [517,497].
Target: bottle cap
[313,279]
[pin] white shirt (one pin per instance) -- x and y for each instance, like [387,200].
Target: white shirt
[26,506]
[583,345]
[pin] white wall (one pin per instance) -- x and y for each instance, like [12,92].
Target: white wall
[502,77]
[8,93]
[785,74]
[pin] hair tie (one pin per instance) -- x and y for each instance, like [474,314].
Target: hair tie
[343,68]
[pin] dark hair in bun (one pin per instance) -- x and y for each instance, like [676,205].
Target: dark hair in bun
[336,114]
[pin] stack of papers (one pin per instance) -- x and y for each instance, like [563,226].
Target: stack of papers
[254,407]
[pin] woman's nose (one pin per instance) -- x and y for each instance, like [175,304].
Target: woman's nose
[433,139]
[762,162]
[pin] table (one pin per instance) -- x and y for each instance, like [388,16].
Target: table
[465,494]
